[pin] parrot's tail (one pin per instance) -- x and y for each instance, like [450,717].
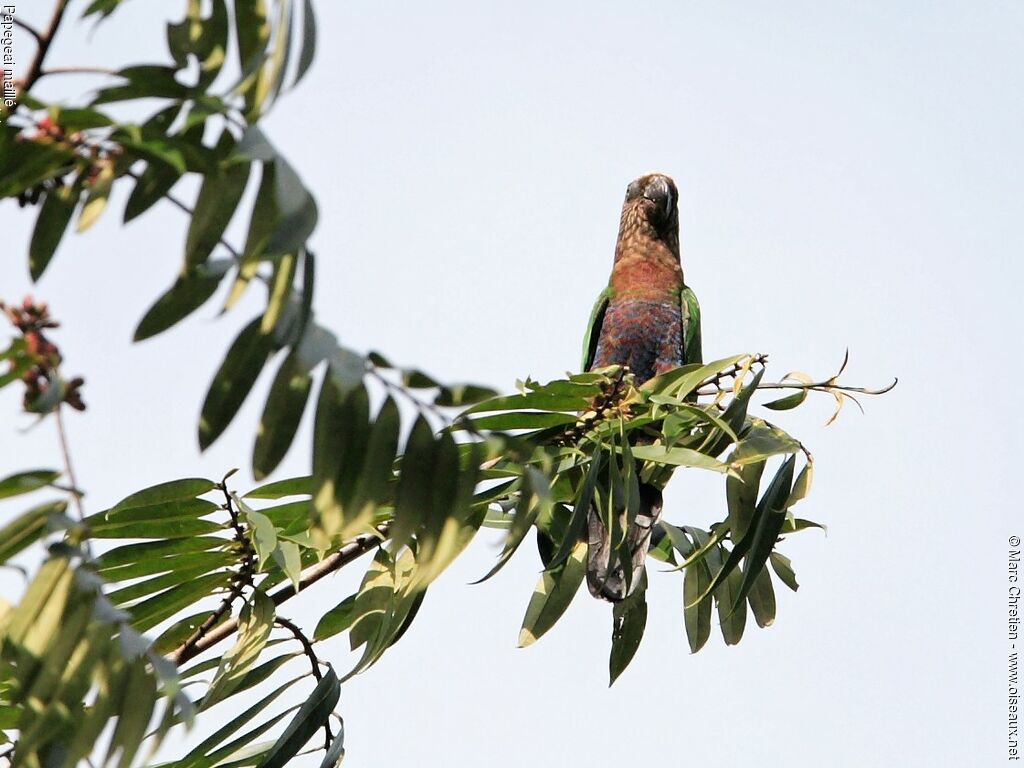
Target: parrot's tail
[606,564]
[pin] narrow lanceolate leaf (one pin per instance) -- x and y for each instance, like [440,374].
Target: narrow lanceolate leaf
[762,599]
[629,619]
[783,568]
[218,198]
[416,481]
[255,623]
[732,613]
[150,187]
[54,216]
[696,616]
[28,528]
[770,515]
[232,382]
[336,620]
[96,200]
[552,595]
[189,292]
[311,716]
[281,415]
[280,294]
[292,486]
[680,457]
[308,41]
[741,488]
[26,482]
[174,490]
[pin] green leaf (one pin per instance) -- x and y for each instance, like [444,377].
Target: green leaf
[232,382]
[281,415]
[697,615]
[145,81]
[788,402]
[26,482]
[218,198]
[261,532]
[523,420]
[770,515]
[152,611]
[293,486]
[287,556]
[54,216]
[308,41]
[24,164]
[783,568]
[741,488]
[552,595]
[96,198]
[150,187]
[190,291]
[195,757]
[762,442]
[680,457]
[336,752]
[27,528]
[416,481]
[336,620]
[629,619]
[581,508]
[680,382]
[732,610]
[175,490]
[255,623]
[762,599]
[539,400]
[311,716]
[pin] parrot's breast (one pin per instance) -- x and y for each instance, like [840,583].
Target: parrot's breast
[646,335]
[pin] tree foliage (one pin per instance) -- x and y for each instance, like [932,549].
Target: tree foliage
[106,651]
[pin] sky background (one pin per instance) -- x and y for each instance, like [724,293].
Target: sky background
[850,176]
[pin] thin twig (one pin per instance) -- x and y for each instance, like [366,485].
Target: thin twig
[76,71]
[28,28]
[314,662]
[189,211]
[73,491]
[44,39]
[328,565]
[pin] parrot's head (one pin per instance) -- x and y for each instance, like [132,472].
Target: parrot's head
[650,209]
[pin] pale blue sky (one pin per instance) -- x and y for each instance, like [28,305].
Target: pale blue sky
[850,175]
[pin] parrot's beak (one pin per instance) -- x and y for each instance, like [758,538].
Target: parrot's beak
[659,192]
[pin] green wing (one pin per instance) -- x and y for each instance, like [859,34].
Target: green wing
[593,333]
[692,352]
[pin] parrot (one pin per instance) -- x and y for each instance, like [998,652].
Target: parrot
[648,319]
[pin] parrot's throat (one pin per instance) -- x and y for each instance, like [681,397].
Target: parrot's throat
[646,268]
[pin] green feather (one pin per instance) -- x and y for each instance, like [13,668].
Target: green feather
[691,327]
[593,333]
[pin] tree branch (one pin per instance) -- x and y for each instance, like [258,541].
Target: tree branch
[76,71]
[28,28]
[73,491]
[239,582]
[313,574]
[314,662]
[44,39]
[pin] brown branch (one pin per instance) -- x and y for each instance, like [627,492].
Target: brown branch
[28,28]
[45,39]
[240,580]
[311,575]
[76,71]
[314,662]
